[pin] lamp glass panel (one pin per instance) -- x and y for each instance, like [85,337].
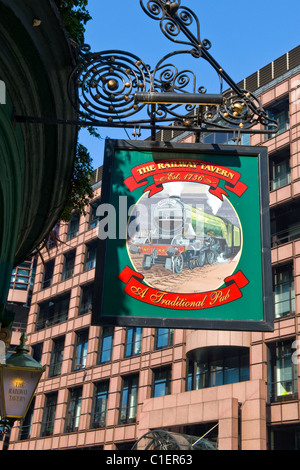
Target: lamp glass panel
[18,388]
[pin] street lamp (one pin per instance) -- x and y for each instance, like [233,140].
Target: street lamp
[19,378]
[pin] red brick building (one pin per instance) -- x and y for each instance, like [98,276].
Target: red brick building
[106,387]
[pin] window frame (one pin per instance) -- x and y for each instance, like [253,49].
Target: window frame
[72,419]
[278,270]
[273,111]
[55,365]
[80,349]
[169,333]
[130,384]
[214,372]
[94,424]
[54,311]
[136,340]
[106,330]
[68,271]
[93,218]
[90,260]
[49,411]
[282,157]
[158,381]
[273,358]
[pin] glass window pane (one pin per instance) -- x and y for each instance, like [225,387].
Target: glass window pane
[162,382]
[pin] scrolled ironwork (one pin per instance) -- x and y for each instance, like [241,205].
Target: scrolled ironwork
[108,82]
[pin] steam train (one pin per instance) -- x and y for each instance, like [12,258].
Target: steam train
[185,236]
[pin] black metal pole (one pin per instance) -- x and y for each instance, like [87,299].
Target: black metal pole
[6,430]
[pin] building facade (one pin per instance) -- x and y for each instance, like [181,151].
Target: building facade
[104,388]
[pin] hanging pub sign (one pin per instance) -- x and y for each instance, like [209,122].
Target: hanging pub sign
[184,237]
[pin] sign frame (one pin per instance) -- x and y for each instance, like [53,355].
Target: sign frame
[99,317]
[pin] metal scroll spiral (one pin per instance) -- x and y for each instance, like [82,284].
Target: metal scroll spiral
[107,82]
[243,111]
[167,78]
[173,19]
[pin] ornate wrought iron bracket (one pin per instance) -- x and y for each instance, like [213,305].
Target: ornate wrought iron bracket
[118,89]
[114,85]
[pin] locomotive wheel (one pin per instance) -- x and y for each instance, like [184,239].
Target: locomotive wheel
[201,259]
[177,264]
[210,256]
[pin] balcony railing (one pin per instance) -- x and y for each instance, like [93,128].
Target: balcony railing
[98,420]
[85,308]
[55,369]
[285,236]
[47,283]
[50,321]
[72,234]
[24,432]
[280,181]
[91,264]
[67,274]
[47,428]
[283,390]
[19,327]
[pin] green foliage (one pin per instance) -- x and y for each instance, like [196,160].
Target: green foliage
[75,15]
[80,191]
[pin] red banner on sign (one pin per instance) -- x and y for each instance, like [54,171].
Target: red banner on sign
[185,171]
[136,289]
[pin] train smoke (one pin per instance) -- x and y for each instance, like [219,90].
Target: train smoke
[214,202]
[174,189]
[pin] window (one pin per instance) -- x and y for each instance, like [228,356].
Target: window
[162,381]
[81,347]
[73,227]
[53,311]
[48,274]
[26,424]
[219,368]
[68,269]
[93,219]
[90,256]
[100,404]
[129,399]
[53,237]
[37,351]
[283,378]
[133,341]
[87,292]
[285,223]
[20,277]
[223,138]
[107,338]
[280,112]
[283,291]
[284,437]
[164,337]
[57,356]
[73,409]
[279,169]
[49,414]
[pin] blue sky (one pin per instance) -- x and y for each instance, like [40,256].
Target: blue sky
[244,36]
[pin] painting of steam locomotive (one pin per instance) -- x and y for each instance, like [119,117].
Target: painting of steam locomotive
[184,231]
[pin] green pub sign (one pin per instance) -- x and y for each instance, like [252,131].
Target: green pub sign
[184,237]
